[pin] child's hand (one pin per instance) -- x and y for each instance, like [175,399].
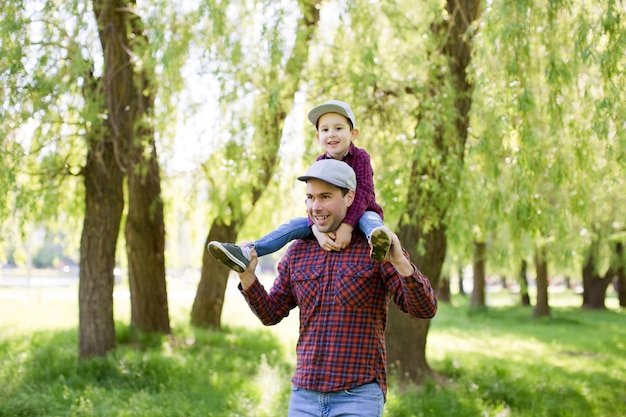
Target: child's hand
[344,236]
[326,240]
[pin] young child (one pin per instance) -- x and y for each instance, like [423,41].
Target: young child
[336,130]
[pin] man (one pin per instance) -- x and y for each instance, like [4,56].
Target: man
[343,299]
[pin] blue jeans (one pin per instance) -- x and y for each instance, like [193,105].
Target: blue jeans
[368,222]
[362,401]
[299,228]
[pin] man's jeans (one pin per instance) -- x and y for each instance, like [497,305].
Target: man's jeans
[362,401]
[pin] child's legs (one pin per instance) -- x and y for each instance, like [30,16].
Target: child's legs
[369,221]
[297,228]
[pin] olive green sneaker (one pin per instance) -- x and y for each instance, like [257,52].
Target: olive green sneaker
[380,242]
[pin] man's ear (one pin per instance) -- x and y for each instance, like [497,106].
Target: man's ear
[349,198]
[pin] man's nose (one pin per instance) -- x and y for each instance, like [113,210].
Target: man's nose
[316,205]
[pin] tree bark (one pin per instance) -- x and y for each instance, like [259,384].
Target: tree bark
[404,330]
[443,290]
[206,311]
[145,248]
[461,285]
[104,204]
[478,293]
[595,285]
[145,225]
[406,335]
[620,280]
[542,307]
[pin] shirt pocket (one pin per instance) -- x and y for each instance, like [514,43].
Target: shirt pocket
[353,287]
[306,289]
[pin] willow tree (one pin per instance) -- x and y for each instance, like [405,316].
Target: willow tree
[258,86]
[14,109]
[404,67]
[129,86]
[90,108]
[601,43]
[51,89]
[551,139]
[448,88]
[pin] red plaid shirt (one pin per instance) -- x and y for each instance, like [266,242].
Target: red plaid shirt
[343,299]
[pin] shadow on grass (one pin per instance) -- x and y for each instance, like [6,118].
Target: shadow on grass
[193,373]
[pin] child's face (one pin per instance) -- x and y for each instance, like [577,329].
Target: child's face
[334,134]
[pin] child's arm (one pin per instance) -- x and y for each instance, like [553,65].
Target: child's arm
[343,235]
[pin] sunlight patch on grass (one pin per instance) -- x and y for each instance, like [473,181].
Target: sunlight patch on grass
[269,382]
[496,346]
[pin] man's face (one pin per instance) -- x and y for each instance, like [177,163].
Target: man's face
[326,204]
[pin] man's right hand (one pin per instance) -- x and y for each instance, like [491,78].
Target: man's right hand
[248,277]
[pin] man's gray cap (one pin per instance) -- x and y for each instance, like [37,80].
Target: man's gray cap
[332,106]
[332,171]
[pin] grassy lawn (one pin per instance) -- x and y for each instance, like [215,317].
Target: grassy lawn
[496,363]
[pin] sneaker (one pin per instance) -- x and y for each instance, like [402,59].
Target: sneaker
[233,256]
[380,242]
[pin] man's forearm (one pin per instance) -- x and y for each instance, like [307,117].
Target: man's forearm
[404,267]
[247,279]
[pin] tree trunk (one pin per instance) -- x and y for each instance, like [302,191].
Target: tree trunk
[145,247]
[595,285]
[407,341]
[523,283]
[404,330]
[478,293]
[620,281]
[209,301]
[461,278]
[542,307]
[129,102]
[104,204]
[406,335]
[443,290]
[145,225]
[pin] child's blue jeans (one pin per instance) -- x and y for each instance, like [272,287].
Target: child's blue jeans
[298,228]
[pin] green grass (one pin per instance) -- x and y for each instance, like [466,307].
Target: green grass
[499,362]
[504,363]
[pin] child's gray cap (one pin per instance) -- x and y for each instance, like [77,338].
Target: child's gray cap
[335,172]
[332,106]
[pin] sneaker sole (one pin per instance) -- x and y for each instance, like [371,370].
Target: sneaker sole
[226,258]
[381,242]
